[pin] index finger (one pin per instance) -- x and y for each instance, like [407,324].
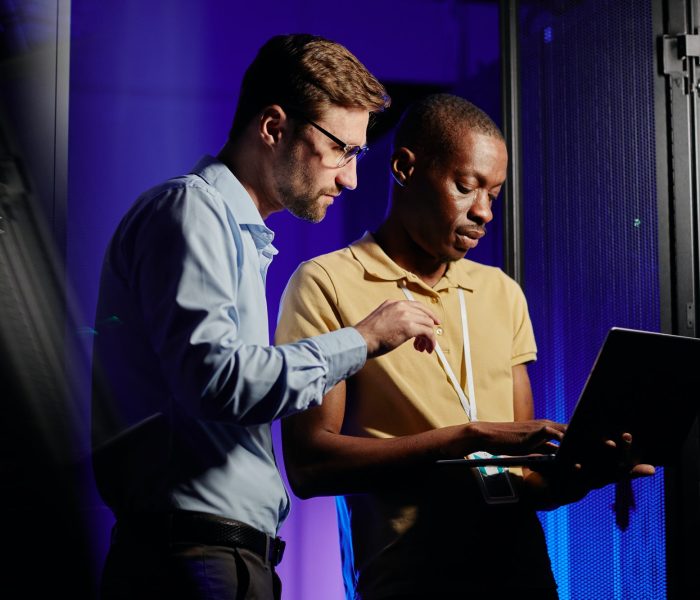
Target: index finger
[554,425]
[555,432]
[425,309]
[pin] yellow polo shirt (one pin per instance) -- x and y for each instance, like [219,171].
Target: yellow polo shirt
[405,391]
[425,537]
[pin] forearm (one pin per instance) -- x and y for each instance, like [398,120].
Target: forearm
[334,464]
[321,461]
[195,293]
[250,384]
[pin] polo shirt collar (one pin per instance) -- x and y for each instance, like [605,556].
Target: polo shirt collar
[378,264]
[237,199]
[457,277]
[374,260]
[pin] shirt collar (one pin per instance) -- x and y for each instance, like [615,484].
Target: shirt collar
[237,199]
[378,264]
[458,277]
[219,176]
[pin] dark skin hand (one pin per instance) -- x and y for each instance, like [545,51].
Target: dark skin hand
[551,490]
[547,491]
[321,460]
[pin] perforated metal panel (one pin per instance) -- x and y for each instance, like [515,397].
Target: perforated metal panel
[591,254]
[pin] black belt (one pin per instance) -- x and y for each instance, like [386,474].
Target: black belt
[199,528]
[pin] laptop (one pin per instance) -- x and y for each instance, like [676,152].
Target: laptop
[644,383]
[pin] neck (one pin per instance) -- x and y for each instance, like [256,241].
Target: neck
[398,245]
[251,170]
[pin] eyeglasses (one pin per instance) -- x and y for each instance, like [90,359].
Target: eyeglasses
[348,152]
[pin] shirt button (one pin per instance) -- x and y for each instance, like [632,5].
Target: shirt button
[439,331]
[434,299]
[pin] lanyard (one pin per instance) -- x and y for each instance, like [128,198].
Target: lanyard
[469,405]
[488,477]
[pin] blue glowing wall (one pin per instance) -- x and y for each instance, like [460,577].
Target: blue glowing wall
[591,254]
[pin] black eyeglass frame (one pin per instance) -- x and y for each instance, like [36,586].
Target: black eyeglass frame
[349,151]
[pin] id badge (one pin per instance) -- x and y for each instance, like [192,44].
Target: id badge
[494,481]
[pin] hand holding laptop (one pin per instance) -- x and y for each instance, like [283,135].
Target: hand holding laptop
[519,437]
[550,488]
[632,371]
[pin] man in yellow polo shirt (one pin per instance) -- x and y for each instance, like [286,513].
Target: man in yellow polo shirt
[409,529]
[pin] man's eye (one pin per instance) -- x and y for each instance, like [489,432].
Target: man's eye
[464,189]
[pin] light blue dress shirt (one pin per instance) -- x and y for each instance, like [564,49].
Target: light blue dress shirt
[185,382]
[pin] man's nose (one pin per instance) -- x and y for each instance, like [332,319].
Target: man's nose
[480,210]
[347,176]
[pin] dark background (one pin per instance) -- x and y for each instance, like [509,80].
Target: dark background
[103,100]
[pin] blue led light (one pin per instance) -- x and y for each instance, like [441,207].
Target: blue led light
[587,267]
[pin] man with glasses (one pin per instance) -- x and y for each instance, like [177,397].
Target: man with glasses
[186,384]
[347,151]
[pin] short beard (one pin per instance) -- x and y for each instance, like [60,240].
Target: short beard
[303,207]
[295,190]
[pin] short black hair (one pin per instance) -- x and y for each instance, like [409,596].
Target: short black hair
[433,125]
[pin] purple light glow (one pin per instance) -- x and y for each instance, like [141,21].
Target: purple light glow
[153,89]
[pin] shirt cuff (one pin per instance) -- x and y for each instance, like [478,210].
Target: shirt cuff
[345,350]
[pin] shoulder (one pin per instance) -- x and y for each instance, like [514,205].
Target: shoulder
[316,277]
[492,284]
[171,215]
[184,189]
[333,260]
[487,275]
[331,266]
[174,203]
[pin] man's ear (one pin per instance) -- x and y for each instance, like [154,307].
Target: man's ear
[273,125]
[402,165]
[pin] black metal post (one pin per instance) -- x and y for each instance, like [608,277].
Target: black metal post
[512,193]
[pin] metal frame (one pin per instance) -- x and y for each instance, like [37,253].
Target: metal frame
[512,191]
[678,180]
[62,88]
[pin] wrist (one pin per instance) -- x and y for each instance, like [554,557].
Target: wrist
[474,437]
[461,440]
[369,339]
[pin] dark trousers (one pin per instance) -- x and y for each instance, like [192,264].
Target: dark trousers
[140,570]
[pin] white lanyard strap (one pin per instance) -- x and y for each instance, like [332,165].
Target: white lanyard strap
[467,355]
[468,404]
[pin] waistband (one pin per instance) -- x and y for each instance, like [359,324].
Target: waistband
[198,528]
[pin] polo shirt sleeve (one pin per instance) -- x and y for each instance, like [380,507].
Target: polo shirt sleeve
[309,305]
[309,309]
[524,347]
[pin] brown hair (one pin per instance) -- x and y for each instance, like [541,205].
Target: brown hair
[306,73]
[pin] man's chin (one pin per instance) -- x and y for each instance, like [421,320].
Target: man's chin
[307,214]
[454,255]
